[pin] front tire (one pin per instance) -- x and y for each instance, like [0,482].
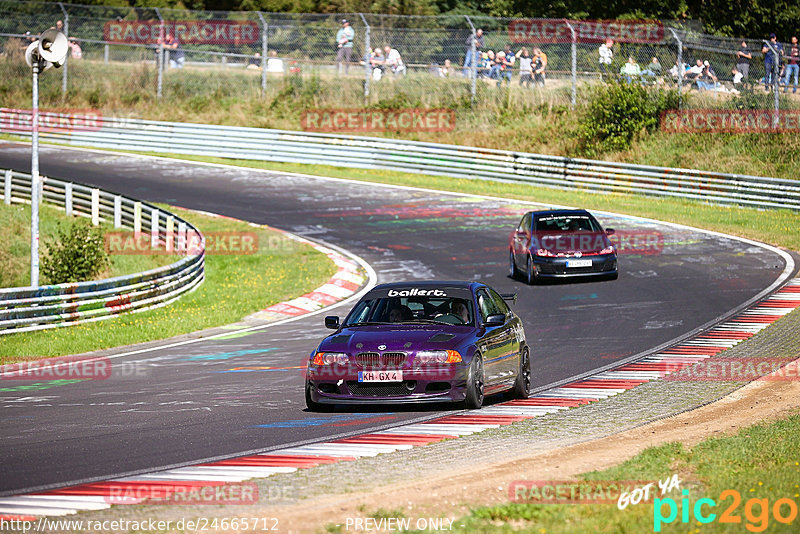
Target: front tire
[530,275]
[522,384]
[475,383]
[512,265]
[316,406]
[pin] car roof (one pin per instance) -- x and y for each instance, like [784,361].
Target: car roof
[539,213]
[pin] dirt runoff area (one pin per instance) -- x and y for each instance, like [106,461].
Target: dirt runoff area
[445,496]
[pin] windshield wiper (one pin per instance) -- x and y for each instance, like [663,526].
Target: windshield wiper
[366,323]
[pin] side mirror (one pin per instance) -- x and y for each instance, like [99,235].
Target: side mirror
[610,231]
[332,322]
[496,319]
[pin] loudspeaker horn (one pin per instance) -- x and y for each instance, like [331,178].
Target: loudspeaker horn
[53,47]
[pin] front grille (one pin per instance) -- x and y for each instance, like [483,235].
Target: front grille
[375,360]
[394,389]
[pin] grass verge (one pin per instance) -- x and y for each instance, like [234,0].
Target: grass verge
[235,286]
[759,462]
[15,246]
[776,227]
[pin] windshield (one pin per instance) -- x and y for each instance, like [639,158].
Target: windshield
[567,223]
[412,310]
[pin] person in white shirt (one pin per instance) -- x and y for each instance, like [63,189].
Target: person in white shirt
[606,51]
[393,60]
[274,63]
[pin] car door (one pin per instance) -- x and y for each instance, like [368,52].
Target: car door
[521,239]
[512,339]
[494,343]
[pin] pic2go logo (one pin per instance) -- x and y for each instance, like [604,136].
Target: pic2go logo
[756,511]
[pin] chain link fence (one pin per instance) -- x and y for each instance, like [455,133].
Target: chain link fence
[372,58]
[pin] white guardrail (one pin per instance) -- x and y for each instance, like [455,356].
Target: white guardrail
[37,308]
[413,156]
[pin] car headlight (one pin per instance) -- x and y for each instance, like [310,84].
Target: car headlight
[328,358]
[437,356]
[608,250]
[544,252]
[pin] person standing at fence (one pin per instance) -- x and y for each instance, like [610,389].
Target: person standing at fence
[539,66]
[393,60]
[525,67]
[344,44]
[471,57]
[793,66]
[176,55]
[606,52]
[743,57]
[773,52]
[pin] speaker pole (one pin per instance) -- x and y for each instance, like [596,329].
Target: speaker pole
[35,177]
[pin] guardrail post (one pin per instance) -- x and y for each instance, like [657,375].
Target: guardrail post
[181,236]
[137,218]
[154,217]
[7,187]
[117,211]
[68,199]
[169,242]
[95,207]
[105,53]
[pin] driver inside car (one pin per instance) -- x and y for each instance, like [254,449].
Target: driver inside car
[399,313]
[460,310]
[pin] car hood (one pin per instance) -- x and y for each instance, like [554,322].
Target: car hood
[405,338]
[570,242]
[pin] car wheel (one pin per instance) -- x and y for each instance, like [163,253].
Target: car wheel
[316,406]
[475,379]
[530,275]
[512,265]
[522,384]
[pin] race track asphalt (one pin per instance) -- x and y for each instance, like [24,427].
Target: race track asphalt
[171,406]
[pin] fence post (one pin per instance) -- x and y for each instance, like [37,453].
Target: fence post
[154,219]
[775,82]
[680,67]
[65,66]
[264,50]
[474,60]
[367,69]
[68,199]
[95,207]
[7,187]
[574,64]
[181,236]
[105,53]
[160,55]
[117,211]
[137,219]
[169,242]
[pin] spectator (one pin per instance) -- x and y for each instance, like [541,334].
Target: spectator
[471,60]
[176,56]
[506,66]
[274,63]
[496,64]
[393,60]
[446,70]
[485,67]
[344,44]
[773,52]
[743,57]
[75,48]
[539,66]
[606,55]
[377,63]
[707,79]
[60,25]
[793,66]
[525,67]
[254,62]
[653,70]
[630,70]
[694,72]
[738,77]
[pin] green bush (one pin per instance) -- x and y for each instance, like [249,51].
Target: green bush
[77,255]
[617,112]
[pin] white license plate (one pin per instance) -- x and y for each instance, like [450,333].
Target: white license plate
[579,263]
[380,376]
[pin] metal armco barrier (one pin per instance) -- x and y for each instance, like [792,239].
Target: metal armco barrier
[421,157]
[37,308]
